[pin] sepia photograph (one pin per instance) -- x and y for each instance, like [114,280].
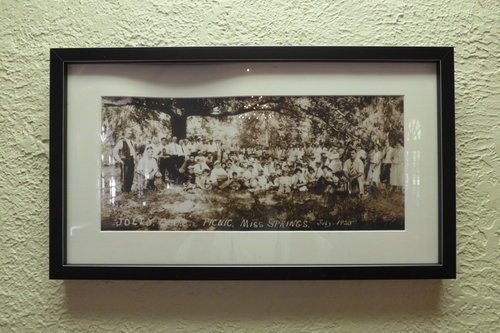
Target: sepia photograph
[252,163]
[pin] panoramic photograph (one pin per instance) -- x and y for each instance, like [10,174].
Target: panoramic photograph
[252,163]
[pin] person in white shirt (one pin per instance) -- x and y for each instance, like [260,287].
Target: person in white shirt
[335,163]
[191,146]
[184,148]
[375,165]
[363,156]
[299,182]
[162,156]
[360,153]
[218,176]
[257,166]
[317,150]
[300,152]
[175,147]
[354,172]
[147,169]
[198,144]
[212,149]
[285,182]
[233,167]
[268,168]
[262,184]
[317,169]
[155,143]
[385,173]
[174,162]
[199,166]
[249,177]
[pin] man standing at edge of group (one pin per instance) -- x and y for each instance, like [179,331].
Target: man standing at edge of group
[176,159]
[124,153]
[162,157]
[385,172]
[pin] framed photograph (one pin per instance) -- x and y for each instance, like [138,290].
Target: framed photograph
[266,163]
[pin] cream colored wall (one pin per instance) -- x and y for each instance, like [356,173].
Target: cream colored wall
[29,302]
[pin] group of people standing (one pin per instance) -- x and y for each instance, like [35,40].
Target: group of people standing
[206,164]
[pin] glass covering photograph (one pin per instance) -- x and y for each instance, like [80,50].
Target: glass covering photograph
[280,163]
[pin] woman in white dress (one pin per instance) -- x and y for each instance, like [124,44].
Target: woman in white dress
[375,166]
[147,169]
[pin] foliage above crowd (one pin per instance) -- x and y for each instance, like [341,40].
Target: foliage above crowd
[289,119]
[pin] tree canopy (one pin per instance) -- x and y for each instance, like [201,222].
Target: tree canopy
[344,117]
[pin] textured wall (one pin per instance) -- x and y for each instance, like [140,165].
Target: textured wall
[30,302]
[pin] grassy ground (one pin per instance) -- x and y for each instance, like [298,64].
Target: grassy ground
[173,208]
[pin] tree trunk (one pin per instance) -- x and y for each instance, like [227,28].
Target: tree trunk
[179,126]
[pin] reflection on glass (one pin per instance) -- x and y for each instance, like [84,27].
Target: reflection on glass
[413,160]
[74,229]
[112,190]
[414,130]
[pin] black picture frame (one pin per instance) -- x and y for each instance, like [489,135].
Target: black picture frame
[441,57]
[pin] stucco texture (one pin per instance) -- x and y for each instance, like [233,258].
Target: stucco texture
[29,302]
